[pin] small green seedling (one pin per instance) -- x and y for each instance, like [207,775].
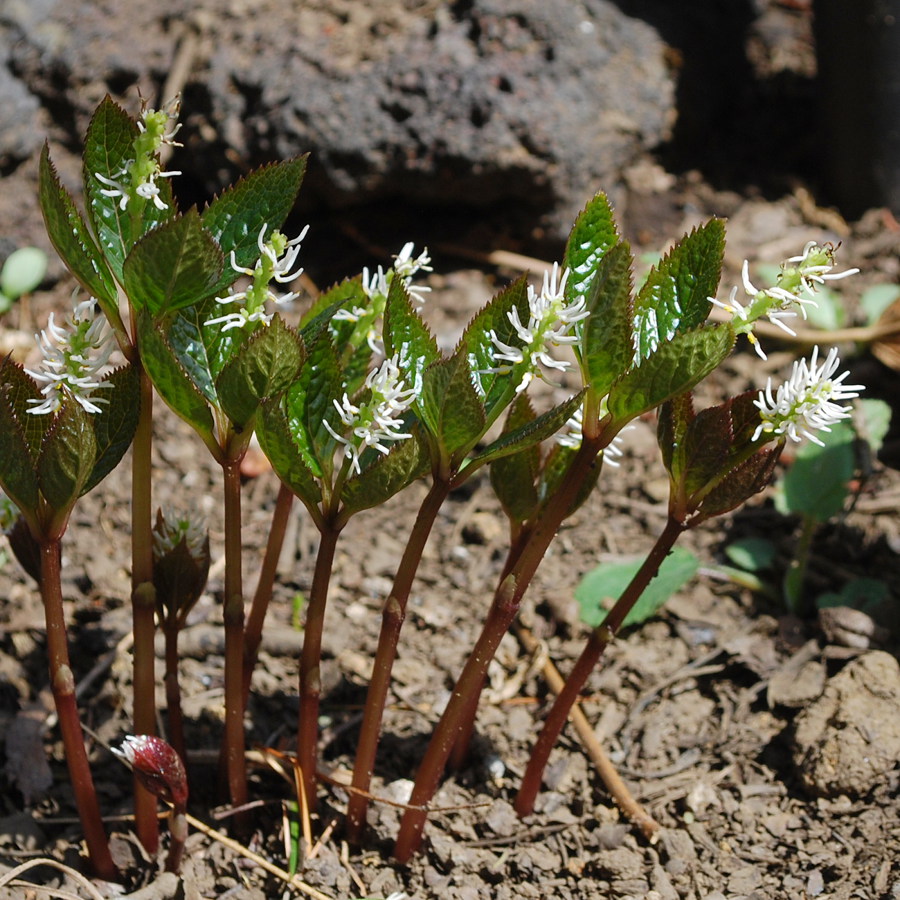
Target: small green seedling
[22,272]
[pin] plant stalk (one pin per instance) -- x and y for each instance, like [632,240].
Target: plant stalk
[143,606]
[233,613]
[392,619]
[597,643]
[504,608]
[173,690]
[310,661]
[263,594]
[63,685]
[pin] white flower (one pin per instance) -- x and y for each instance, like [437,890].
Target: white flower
[169,530]
[550,323]
[146,188]
[808,401]
[571,436]
[378,419]
[406,267]
[74,355]
[277,257]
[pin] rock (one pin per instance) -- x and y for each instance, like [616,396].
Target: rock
[847,741]
[474,104]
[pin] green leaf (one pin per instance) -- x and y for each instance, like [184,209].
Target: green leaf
[19,388]
[606,350]
[608,582]
[201,351]
[531,432]
[406,336]
[513,477]
[674,368]
[71,237]
[115,424]
[286,455]
[479,346]
[174,266]
[236,217]
[876,300]
[23,271]
[675,297]
[874,422]
[108,148]
[18,459]
[866,594]
[407,461]
[67,456]
[592,236]
[816,483]
[675,415]
[753,554]
[739,484]
[264,367]
[449,407]
[171,379]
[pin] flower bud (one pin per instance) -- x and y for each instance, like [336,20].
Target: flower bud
[180,565]
[157,766]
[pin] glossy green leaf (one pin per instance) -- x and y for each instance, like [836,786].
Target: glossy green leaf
[265,366]
[406,336]
[407,461]
[18,458]
[280,444]
[479,346]
[171,379]
[675,297]
[592,236]
[67,456]
[23,270]
[513,477]
[674,368]
[449,407]
[71,237]
[600,588]
[201,351]
[115,424]
[606,349]
[174,266]
[236,217]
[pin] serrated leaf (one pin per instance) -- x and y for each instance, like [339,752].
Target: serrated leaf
[480,348]
[741,483]
[264,367]
[108,148]
[67,457]
[18,476]
[71,238]
[593,235]
[531,432]
[675,297]
[201,351]
[236,217]
[406,336]
[675,415]
[286,456]
[174,266]
[171,379]
[513,477]
[19,388]
[407,461]
[606,349]
[115,424]
[602,586]
[707,446]
[674,368]
[449,407]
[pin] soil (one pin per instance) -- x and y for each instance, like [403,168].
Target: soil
[763,743]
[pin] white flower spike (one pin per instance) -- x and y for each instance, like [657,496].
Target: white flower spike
[75,354]
[809,401]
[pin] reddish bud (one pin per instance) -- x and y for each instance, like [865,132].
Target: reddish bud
[157,766]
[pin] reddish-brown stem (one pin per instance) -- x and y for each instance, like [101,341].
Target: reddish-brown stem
[263,593]
[62,683]
[310,662]
[173,690]
[233,614]
[505,606]
[392,618]
[178,832]
[143,606]
[593,650]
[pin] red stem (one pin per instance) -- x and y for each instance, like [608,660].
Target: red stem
[597,643]
[507,600]
[173,690]
[310,663]
[392,619]
[263,594]
[63,685]
[143,606]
